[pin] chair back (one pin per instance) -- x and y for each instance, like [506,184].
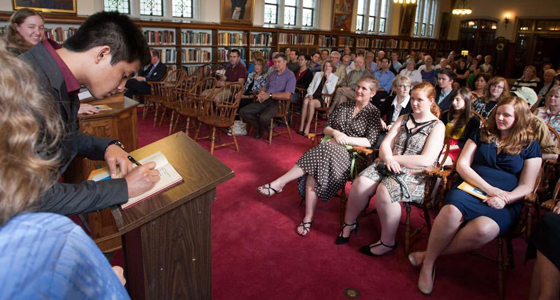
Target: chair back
[226,108]
[554,134]
[327,98]
[283,107]
[479,116]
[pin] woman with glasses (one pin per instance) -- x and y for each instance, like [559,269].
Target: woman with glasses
[498,89]
[396,105]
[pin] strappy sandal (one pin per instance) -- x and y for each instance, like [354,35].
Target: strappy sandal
[268,188]
[305,228]
[367,249]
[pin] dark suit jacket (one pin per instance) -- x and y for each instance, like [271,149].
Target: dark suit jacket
[88,196]
[157,75]
[386,109]
[446,102]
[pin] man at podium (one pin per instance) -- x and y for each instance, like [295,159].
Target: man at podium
[105,51]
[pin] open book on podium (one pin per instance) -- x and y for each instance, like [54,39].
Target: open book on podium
[168,178]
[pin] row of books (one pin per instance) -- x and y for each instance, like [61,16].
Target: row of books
[346,41]
[160,37]
[362,43]
[196,38]
[167,55]
[296,39]
[222,54]
[327,41]
[58,34]
[424,45]
[261,39]
[265,52]
[196,56]
[232,39]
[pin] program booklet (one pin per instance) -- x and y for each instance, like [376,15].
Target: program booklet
[465,186]
[168,178]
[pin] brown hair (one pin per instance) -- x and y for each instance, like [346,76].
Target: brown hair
[494,81]
[330,63]
[532,68]
[521,134]
[372,82]
[31,129]
[13,37]
[430,91]
[464,113]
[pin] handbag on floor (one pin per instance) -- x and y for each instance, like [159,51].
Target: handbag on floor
[239,128]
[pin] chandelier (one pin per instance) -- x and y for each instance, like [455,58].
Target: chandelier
[404,1]
[462,8]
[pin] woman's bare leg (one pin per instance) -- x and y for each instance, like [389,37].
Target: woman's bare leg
[314,103]
[362,189]
[294,173]
[303,112]
[389,215]
[310,202]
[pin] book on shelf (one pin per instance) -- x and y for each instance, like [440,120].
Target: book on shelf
[160,37]
[168,178]
[265,53]
[192,69]
[222,54]
[232,39]
[192,38]
[346,41]
[196,56]
[261,39]
[362,43]
[167,56]
[296,39]
[59,35]
[392,44]
[327,41]
[378,43]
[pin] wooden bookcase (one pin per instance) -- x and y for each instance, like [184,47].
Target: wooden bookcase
[190,44]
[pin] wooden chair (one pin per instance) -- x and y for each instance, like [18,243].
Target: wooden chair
[145,99]
[283,108]
[482,120]
[180,94]
[549,204]
[191,103]
[171,98]
[300,92]
[323,109]
[161,90]
[220,115]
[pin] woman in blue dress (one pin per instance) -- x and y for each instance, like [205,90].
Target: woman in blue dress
[503,161]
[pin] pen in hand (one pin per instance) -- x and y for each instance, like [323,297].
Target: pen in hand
[134,161]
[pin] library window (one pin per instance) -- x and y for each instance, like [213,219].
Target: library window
[122,6]
[182,8]
[151,8]
[290,12]
[372,15]
[425,20]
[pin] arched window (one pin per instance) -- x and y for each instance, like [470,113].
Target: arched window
[298,13]
[372,15]
[426,16]
[155,8]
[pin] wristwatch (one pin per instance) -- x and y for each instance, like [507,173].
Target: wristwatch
[117,143]
[270,95]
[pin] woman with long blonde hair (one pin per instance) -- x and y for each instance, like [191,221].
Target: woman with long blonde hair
[40,248]
[413,143]
[502,161]
[497,89]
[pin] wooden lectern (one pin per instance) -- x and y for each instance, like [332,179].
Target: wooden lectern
[172,258]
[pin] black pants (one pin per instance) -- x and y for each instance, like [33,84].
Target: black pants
[135,87]
[259,114]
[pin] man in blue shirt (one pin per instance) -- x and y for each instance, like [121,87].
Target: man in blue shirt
[385,78]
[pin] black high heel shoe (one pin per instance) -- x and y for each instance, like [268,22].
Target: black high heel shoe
[367,249]
[343,240]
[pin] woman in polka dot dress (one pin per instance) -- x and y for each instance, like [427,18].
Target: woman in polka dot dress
[324,169]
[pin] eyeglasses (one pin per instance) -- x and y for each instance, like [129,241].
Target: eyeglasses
[403,86]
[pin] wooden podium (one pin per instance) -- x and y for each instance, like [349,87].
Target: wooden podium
[170,256]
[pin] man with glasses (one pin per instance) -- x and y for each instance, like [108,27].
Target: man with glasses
[340,68]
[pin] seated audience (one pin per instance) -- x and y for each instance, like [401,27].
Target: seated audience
[497,90]
[395,106]
[339,67]
[304,75]
[279,85]
[540,130]
[25,29]
[460,124]
[293,64]
[44,255]
[546,85]
[235,73]
[443,64]
[503,161]
[444,91]
[370,63]
[314,64]
[413,143]
[348,64]
[486,67]
[323,83]
[385,78]
[479,90]
[255,81]
[529,79]
[324,56]
[550,113]
[323,170]
[544,245]
[346,89]
[255,55]
[395,61]
[155,71]
[414,75]
[103,53]
[462,73]
[429,73]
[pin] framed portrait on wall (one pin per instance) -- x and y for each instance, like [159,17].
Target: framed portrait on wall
[342,15]
[48,6]
[237,11]
[407,20]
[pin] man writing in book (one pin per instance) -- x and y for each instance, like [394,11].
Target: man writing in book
[155,71]
[107,49]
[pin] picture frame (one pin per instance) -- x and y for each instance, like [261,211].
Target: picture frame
[342,15]
[48,6]
[407,20]
[243,15]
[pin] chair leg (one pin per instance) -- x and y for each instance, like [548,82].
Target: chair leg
[213,140]
[162,115]
[316,116]
[187,126]
[501,269]
[155,116]
[145,109]
[407,231]
[270,132]
[234,139]
[288,127]
[171,121]
[197,130]
[292,115]
[427,219]
[176,121]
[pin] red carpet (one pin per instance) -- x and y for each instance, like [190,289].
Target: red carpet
[258,255]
